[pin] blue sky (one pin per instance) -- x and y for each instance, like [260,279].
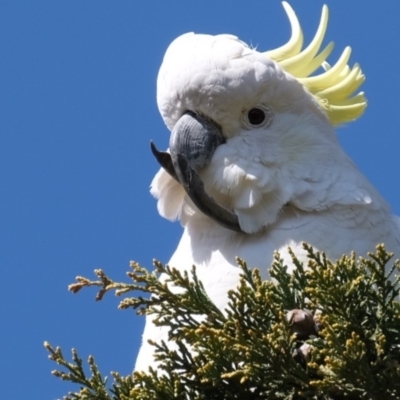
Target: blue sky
[77,112]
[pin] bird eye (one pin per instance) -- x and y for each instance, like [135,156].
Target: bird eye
[256,116]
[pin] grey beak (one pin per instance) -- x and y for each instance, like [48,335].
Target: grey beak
[193,142]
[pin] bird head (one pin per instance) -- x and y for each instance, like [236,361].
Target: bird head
[252,132]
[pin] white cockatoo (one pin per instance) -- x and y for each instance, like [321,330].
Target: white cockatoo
[254,164]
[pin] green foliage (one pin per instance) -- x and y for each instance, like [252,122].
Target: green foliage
[259,347]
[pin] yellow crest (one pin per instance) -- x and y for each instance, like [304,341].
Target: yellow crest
[334,87]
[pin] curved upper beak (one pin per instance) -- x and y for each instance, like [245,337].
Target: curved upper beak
[192,144]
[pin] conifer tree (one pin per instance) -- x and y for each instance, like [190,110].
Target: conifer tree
[329,330]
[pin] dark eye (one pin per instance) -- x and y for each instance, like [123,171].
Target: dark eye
[256,116]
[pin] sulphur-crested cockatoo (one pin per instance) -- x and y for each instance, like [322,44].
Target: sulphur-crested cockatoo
[254,164]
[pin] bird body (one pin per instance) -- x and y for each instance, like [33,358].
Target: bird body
[271,173]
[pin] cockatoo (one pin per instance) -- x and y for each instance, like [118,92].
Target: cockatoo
[254,165]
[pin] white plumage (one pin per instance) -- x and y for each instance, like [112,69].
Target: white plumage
[285,178]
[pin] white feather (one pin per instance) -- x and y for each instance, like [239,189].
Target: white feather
[288,182]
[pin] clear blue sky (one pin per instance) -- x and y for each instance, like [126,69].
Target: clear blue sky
[77,112]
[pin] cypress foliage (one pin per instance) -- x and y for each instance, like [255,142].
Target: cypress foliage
[329,330]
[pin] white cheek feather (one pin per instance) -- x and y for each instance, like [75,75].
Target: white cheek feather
[248,187]
[263,214]
[233,176]
[169,193]
[249,196]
